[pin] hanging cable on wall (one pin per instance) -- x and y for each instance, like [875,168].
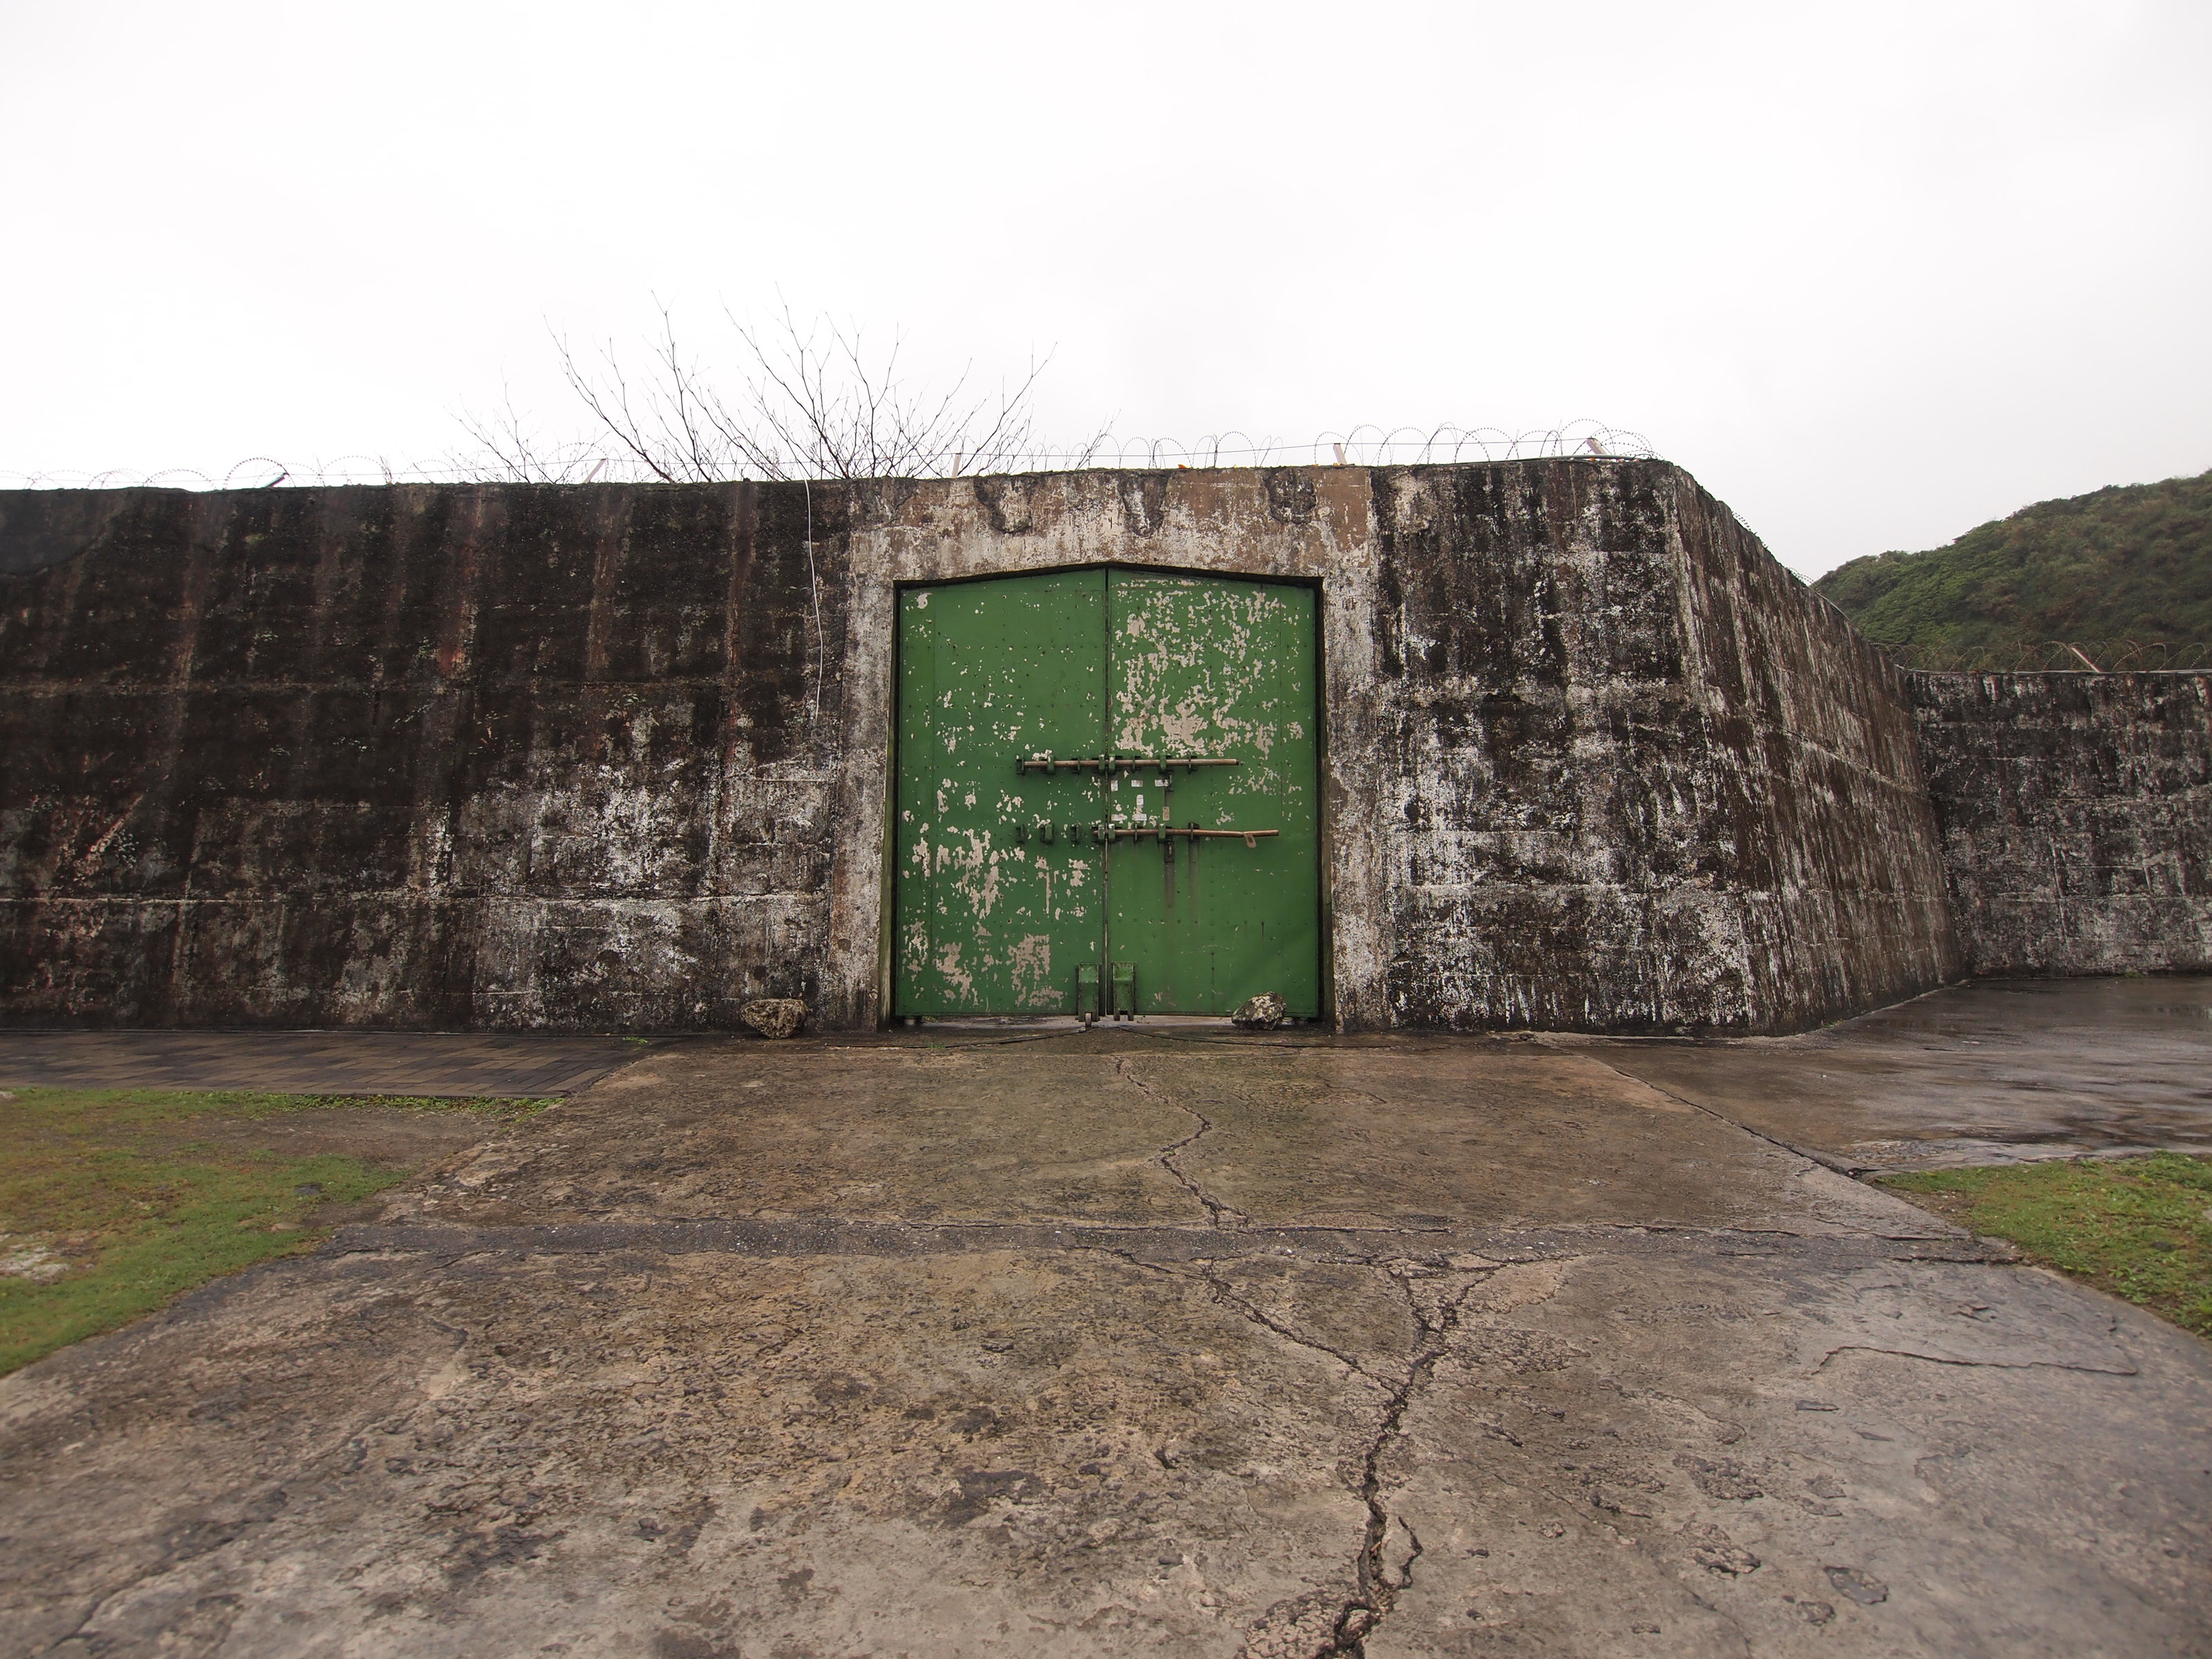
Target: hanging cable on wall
[814,593]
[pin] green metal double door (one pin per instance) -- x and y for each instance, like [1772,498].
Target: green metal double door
[1107,796]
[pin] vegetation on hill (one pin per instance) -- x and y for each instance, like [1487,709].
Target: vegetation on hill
[2128,563]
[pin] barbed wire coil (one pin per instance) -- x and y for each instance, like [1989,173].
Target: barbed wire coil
[582,463]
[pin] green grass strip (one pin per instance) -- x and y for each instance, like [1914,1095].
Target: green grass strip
[115,1187]
[2139,1228]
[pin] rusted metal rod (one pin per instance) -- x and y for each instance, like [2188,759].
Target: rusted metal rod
[1251,837]
[1045,763]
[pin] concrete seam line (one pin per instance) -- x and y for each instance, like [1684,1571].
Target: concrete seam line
[1362,1246]
[1826,1160]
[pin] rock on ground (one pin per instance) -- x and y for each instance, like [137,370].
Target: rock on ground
[774,1017]
[1261,1013]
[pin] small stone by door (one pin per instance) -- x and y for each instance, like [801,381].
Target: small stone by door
[1107,796]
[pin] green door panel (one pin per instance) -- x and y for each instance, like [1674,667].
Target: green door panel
[1226,670]
[993,917]
[1010,887]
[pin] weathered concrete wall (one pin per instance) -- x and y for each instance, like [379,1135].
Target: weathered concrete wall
[614,757]
[409,756]
[1639,777]
[2076,815]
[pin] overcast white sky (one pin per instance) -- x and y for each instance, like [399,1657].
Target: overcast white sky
[1873,272]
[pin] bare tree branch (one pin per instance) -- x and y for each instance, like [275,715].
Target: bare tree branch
[809,402]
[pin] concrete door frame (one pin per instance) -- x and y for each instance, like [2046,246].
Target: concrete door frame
[1315,527]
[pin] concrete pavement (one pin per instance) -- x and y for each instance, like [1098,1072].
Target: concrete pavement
[1996,1071]
[454,1064]
[1116,1344]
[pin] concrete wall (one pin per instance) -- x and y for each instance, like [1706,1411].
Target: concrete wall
[2076,815]
[1637,775]
[409,756]
[617,756]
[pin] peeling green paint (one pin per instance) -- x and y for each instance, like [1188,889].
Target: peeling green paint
[1026,852]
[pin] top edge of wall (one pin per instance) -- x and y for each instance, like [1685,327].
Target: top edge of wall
[289,488]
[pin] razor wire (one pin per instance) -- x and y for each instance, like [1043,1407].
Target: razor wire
[580,463]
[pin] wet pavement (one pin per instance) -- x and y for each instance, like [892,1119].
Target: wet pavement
[1992,1073]
[957,1344]
[455,1064]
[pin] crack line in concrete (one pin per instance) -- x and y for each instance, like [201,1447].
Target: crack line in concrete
[1259,1316]
[1984,1364]
[1218,1214]
[1226,1297]
[1377,1592]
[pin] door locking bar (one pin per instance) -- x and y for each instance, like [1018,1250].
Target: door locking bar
[1167,831]
[1101,831]
[1043,761]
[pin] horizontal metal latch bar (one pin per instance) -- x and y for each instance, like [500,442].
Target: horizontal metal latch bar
[1251,837]
[1045,763]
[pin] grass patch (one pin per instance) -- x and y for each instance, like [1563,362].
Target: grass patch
[114,1201]
[2138,1227]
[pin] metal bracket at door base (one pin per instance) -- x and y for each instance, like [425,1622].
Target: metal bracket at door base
[1086,992]
[1124,989]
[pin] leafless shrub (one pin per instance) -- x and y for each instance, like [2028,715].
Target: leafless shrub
[811,402]
[510,452]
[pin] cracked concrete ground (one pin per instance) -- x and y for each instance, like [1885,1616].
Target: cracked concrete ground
[1109,1344]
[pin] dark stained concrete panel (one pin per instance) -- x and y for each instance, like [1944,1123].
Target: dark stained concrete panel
[412,758]
[613,757]
[2076,814]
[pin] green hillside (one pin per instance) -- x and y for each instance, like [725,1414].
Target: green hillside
[2132,563]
